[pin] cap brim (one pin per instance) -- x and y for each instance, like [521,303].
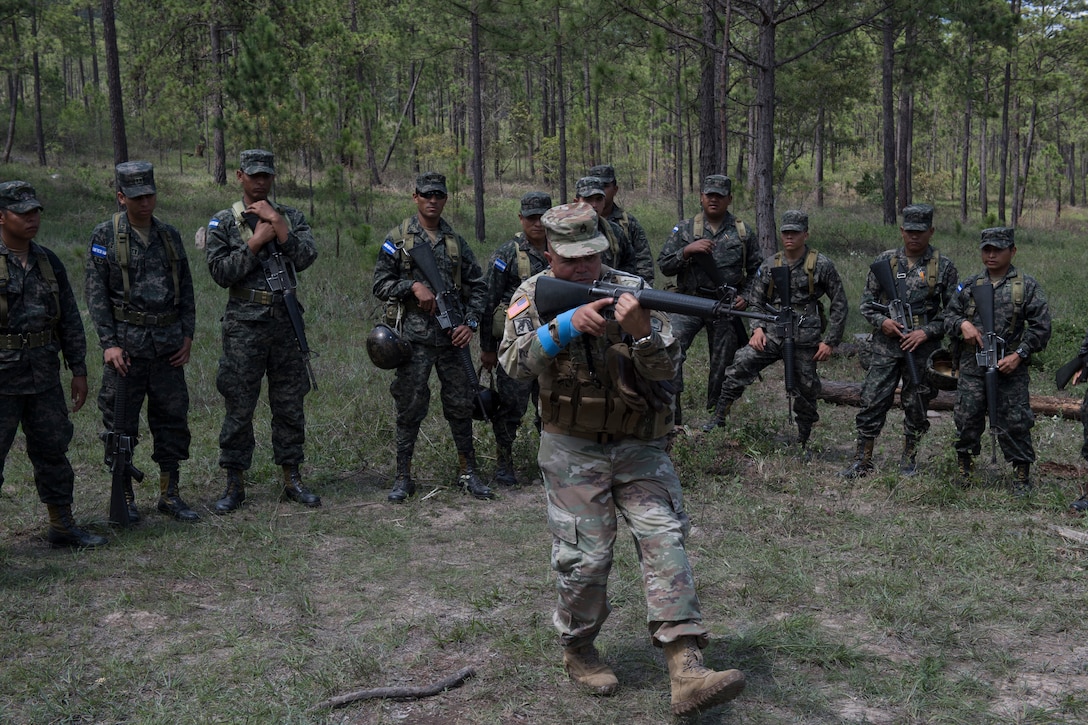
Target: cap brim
[1002,245]
[134,191]
[792,228]
[915,227]
[24,206]
[716,190]
[428,188]
[258,169]
[582,248]
[535,211]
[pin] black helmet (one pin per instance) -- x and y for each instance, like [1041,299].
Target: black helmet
[942,370]
[484,405]
[386,349]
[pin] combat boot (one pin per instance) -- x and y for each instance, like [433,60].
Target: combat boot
[294,490]
[64,532]
[130,503]
[718,419]
[804,432]
[403,485]
[586,670]
[470,479]
[1021,480]
[1080,506]
[234,494]
[863,460]
[170,501]
[908,461]
[696,687]
[504,467]
[965,466]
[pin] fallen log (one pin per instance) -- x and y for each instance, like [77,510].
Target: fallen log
[398,693]
[841,392]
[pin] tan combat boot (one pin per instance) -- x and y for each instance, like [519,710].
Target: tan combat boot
[863,460]
[585,668]
[696,687]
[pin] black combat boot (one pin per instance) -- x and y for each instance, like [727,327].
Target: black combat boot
[64,532]
[863,460]
[721,411]
[1080,506]
[470,479]
[504,467]
[965,466]
[294,490]
[170,501]
[403,485]
[1021,481]
[908,462]
[234,494]
[804,432]
[130,503]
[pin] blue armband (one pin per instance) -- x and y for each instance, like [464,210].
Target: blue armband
[564,330]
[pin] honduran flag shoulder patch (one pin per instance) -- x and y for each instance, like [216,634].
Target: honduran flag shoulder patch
[98,250]
[389,248]
[213,223]
[500,264]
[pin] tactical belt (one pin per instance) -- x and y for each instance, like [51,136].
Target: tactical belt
[260,296]
[163,319]
[600,438]
[25,340]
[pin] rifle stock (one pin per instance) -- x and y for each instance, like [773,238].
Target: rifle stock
[993,349]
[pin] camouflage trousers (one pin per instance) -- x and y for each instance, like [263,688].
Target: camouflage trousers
[167,407]
[722,342]
[878,395]
[253,350]
[1014,408]
[411,392]
[48,431]
[587,484]
[749,362]
[513,399]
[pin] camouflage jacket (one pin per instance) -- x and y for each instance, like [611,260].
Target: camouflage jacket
[394,275]
[232,264]
[927,304]
[1027,328]
[644,257]
[737,259]
[1083,352]
[32,307]
[503,277]
[624,258]
[579,392]
[151,289]
[814,327]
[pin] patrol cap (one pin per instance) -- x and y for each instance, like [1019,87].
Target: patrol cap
[605,173]
[999,237]
[257,161]
[135,178]
[794,220]
[19,197]
[430,181]
[718,184]
[572,230]
[535,203]
[588,186]
[917,218]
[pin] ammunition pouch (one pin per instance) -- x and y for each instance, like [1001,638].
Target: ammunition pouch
[498,321]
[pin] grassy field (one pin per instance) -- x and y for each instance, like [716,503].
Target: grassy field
[885,600]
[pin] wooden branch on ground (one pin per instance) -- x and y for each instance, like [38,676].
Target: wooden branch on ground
[1071,534]
[398,693]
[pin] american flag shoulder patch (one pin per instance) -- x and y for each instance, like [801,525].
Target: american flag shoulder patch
[517,306]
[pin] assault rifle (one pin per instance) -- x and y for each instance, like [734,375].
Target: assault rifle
[993,349]
[785,321]
[451,314]
[726,293]
[279,272]
[899,311]
[120,446]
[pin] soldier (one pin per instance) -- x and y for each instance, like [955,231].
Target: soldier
[712,242]
[258,337]
[613,212]
[1080,505]
[1022,319]
[606,412]
[399,282]
[621,254]
[140,296]
[812,276]
[513,263]
[926,280]
[39,318]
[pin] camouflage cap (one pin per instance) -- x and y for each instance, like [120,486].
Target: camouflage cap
[999,237]
[917,218]
[718,184]
[605,173]
[257,161]
[135,178]
[535,203]
[794,220]
[588,186]
[572,230]
[18,196]
[430,181]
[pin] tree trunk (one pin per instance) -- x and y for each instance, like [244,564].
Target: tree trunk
[94,47]
[818,172]
[219,144]
[476,121]
[984,157]
[39,132]
[13,85]
[887,70]
[1018,202]
[113,80]
[1003,162]
[560,106]
[723,94]
[709,153]
[966,155]
[678,139]
[764,157]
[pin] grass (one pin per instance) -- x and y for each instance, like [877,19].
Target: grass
[883,600]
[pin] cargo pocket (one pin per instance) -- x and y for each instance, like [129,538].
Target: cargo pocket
[562,524]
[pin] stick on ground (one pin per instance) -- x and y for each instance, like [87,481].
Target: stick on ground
[398,693]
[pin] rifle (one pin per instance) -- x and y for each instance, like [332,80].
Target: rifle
[899,311]
[786,320]
[450,313]
[121,446]
[993,349]
[279,272]
[725,292]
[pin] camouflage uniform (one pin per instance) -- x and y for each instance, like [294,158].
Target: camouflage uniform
[622,253]
[644,258]
[738,261]
[1083,355]
[259,341]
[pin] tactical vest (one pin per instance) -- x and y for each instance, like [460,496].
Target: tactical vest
[698,229]
[50,275]
[405,241]
[932,269]
[810,270]
[121,241]
[1017,286]
[498,319]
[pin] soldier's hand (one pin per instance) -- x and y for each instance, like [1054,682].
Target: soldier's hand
[633,317]
[758,340]
[461,335]
[1009,363]
[971,334]
[181,357]
[699,246]
[739,303]
[424,296]
[823,352]
[488,360]
[588,320]
[913,339]
[115,357]
[891,328]
[79,392]
[268,215]
[1077,376]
